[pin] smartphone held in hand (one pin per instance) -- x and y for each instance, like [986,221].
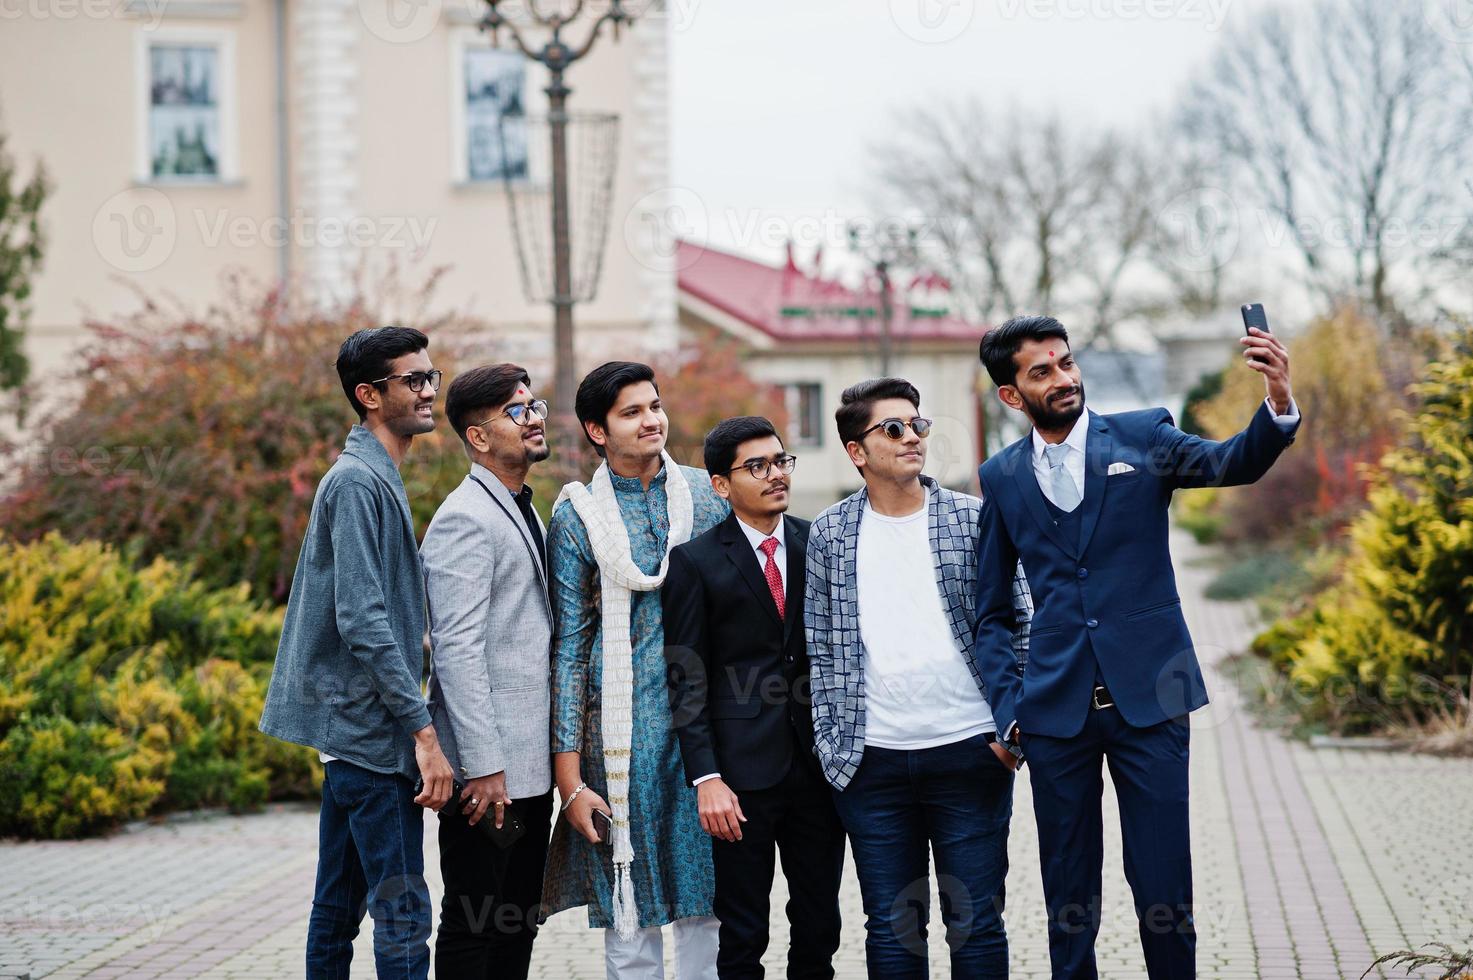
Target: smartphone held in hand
[603,825]
[1254,316]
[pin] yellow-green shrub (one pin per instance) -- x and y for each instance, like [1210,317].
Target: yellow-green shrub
[1392,640]
[127,690]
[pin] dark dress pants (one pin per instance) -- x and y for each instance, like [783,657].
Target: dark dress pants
[488,917]
[1149,769]
[795,821]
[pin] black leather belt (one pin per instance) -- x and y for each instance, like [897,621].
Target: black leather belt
[1102,698]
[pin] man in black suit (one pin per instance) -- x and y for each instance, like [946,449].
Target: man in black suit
[740,705]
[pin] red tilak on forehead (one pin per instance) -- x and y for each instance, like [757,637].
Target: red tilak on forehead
[1050,353]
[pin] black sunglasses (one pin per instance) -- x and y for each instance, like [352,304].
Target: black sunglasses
[895,429]
[416,380]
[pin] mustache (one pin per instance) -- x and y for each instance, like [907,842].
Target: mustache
[1065,394]
[775,488]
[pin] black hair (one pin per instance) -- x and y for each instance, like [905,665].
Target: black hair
[365,357]
[1002,342]
[598,392]
[721,442]
[480,390]
[858,401]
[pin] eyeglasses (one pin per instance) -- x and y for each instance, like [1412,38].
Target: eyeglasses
[895,429]
[761,469]
[520,413]
[416,380]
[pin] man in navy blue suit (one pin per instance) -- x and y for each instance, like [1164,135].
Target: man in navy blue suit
[1111,673]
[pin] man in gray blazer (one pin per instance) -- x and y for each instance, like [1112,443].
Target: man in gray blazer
[485,568]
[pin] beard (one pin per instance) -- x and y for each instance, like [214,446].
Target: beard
[1045,416]
[536,454]
[408,422]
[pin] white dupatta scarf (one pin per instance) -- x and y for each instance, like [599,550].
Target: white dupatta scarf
[619,578]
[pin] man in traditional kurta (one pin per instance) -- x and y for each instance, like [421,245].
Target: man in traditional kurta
[614,748]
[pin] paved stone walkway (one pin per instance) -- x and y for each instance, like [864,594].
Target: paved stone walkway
[1307,862]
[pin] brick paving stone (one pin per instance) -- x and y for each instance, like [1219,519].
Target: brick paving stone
[1307,863]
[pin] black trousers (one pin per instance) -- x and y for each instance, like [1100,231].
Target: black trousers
[488,918]
[796,821]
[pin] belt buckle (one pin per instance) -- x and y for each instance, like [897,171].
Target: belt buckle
[1095,698]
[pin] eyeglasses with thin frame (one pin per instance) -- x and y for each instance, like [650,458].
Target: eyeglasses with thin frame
[519,413]
[416,380]
[761,469]
[895,428]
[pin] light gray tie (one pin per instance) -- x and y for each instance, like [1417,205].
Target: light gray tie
[1065,493]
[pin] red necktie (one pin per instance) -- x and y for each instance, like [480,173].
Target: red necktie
[774,576]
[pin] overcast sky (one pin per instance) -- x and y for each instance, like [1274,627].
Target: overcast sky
[775,101]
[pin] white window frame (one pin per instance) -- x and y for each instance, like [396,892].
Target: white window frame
[222,39]
[793,400]
[534,102]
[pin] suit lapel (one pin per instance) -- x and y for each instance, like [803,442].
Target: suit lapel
[513,514]
[1033,495]
[1097,448]
[739,552]
[797,578]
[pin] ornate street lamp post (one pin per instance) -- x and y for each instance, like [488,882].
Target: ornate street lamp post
[557,56]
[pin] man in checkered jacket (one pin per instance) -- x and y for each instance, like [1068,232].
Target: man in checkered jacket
[901,721]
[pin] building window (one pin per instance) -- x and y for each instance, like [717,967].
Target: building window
[188,106]
[805,413]
[493,85]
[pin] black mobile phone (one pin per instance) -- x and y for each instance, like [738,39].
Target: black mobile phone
[510,831]
[603,825]
[1253,316]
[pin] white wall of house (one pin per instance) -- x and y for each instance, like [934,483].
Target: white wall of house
[946,377]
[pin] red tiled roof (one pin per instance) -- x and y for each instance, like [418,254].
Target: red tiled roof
[788,304]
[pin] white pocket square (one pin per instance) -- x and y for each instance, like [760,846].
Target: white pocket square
[1119,468]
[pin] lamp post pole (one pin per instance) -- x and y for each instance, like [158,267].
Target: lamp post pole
[889,249]
[557,56]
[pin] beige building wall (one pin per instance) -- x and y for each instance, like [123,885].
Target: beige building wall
[370,101]
[69,95]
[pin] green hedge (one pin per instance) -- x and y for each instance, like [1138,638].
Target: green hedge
[129,690]
[1391,642]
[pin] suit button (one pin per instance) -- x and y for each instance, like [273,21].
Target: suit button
[1084,573]
[789,658]
[1091,623]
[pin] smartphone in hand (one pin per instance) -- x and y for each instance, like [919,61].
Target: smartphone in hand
[1253,316]
[603,825]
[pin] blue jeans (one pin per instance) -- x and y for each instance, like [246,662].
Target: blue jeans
[370,857]
[957,801]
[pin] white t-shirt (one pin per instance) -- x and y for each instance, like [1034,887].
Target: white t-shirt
[918,691]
